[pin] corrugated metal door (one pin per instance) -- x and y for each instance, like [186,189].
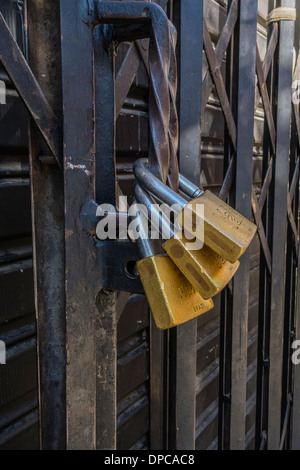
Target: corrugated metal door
[18,378]
[204,384]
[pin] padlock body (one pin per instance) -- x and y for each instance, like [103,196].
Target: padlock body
[226,232]
[172,299]
[206,270]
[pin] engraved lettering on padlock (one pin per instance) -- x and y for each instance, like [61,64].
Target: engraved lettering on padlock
[226,232]
[225,215]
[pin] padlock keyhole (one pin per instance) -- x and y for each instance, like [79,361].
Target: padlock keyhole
[130,269]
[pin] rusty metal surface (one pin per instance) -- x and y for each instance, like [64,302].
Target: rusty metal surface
[90,379]
[48,229]
[245,96]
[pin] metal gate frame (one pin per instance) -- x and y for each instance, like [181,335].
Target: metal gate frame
[77,325]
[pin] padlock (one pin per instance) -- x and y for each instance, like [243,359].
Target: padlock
[226,232]
[172,299]
[206,270]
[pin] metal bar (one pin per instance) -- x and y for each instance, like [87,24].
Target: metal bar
[266,185]
[291,376]
[105,115]
[281,175]
[286,420]
[90,314]
[158,387]
[292,223]
[261,232]
[226,295]
[226,109]
[294,181]
[295,104]
[291,257]
[228,179]
[173,131]
[159,63]
[223,41]
[264,69]
[243,193]
[136,54]
[29,90]
[183,338]
[126,76]
[265,204]
[265,98]
[219,84]
[295,441]
[48,230]
[190,89]
[173,124]
[272,44]
[263,441]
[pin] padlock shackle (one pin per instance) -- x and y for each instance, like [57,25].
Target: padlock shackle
[143,241]
[163,224]
[189,188]
[156,187]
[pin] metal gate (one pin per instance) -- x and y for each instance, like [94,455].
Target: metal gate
[107,377]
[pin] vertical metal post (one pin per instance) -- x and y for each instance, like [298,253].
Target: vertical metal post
[48,229]
[105,115]
[226,295]
[265,277]
[184,338]
[105,192]
[296,384]
[243,190]
[158,387]
[295,426]
[190,80]
[90,315]
[281,177]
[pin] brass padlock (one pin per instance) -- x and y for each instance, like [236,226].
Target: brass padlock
[171,297]
[226,232]
[206,270]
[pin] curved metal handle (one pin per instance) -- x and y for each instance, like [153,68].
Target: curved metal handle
[143,241]
[163,120]
[163,225]
[156,187]
[189,188]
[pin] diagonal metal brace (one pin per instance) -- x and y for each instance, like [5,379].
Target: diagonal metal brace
[29,90]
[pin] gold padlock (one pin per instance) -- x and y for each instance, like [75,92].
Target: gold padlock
[219,226]
[171,297]
[225,230]
[206,270]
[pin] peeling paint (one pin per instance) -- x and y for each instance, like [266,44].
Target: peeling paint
[70,166]
[68,233]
